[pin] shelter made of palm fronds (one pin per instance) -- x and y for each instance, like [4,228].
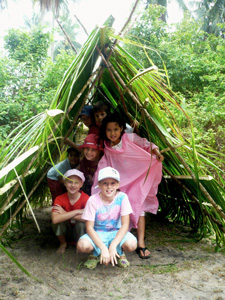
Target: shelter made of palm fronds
[103,70]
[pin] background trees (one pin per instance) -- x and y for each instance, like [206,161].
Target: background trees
[195,64]
[28,77]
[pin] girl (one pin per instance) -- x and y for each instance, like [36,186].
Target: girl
[107,223]
[92,152]
[140,168]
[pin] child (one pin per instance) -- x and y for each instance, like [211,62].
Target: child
[68,209]
[92,152]
[107,223]
[87,117]
[54,175]
[140,167]
[101,110]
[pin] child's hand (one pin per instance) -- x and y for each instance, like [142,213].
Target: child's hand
[160,157]
[113,254]
[104,257]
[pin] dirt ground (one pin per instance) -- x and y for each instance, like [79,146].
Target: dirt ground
[179,268]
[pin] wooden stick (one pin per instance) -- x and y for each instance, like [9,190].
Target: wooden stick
[81,25]
[67,37]
[115,82]
[174,147]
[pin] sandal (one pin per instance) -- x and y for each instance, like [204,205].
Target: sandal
[91,262]
[122,262]
[138,251]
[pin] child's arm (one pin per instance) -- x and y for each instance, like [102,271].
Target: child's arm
[120,235]
[60,215]
[104,257]
[71,144]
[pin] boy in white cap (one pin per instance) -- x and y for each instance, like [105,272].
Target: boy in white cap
[68,208]
[107,222]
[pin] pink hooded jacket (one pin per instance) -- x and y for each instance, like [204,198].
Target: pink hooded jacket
[133,161]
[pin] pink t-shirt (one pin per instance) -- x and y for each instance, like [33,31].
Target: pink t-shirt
[107,217]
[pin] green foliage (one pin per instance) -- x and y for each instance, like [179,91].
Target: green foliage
[28,78]
[28,47]
[195,64]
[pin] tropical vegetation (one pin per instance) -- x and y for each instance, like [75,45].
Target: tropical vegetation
[170,82]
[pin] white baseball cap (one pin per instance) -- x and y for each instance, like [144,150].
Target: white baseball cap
[74,172]
[108,172]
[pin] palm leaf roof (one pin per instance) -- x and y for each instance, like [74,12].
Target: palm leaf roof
[104,70]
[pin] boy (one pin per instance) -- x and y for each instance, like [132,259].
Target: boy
[54,175]
[67,210]
[101,110]
[107,222]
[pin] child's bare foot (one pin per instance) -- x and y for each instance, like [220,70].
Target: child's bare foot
[62,249]
[143,252]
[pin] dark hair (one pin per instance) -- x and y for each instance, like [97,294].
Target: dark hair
[69,150]
[114,117]
[100,106]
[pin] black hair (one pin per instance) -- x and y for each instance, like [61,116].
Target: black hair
[114,117]
[71,149]
[101,106]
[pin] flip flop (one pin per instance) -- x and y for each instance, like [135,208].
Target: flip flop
[92,262]
[122,262]
[138,251]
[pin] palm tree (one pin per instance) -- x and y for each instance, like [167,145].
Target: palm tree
[164,3]
[211,12]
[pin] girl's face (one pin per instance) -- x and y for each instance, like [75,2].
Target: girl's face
[99,116]
[91,154]
[113,132]
[73,184]
[73,158]
[108,188]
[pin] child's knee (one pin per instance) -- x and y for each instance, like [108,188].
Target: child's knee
[130,245]
[84,246]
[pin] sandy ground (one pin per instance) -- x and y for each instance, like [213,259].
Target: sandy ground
[179,268]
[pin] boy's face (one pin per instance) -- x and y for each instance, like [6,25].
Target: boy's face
[86,120]
[73,158]
[73,184]
[91,154]
[108,187]
[99,116]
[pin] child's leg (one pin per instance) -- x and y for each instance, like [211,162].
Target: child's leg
[60,231]
[141,237]
[63,244]
[84,245]
[128,244]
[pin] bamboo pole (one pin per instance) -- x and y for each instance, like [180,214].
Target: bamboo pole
[203,190]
